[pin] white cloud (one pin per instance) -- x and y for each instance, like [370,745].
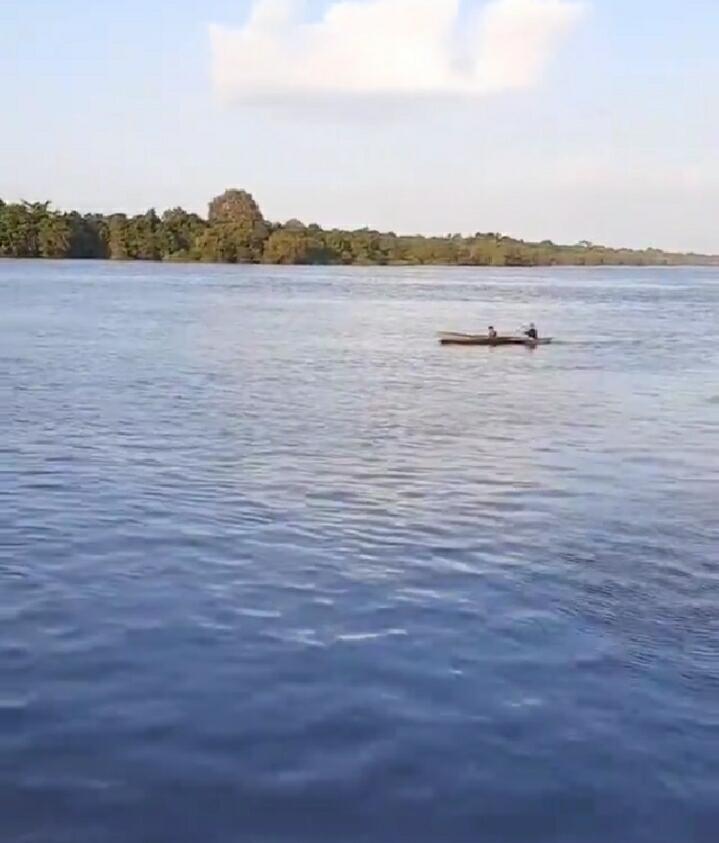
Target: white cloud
[388,47]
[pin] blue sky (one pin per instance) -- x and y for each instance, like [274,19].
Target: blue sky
[596,121]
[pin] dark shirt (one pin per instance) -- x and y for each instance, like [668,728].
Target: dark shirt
[532,333]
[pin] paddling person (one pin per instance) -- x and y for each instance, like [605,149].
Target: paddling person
[532,332]
[492,333]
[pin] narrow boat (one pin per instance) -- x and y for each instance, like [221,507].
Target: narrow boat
[483,339]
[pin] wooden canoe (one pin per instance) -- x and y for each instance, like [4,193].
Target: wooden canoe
[483,339]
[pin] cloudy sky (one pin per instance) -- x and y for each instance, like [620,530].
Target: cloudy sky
[566,119]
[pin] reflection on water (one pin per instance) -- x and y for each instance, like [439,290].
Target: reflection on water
[276,566]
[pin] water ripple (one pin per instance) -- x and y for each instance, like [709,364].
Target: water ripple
[276,566]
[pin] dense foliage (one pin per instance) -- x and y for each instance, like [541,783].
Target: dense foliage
[236,232]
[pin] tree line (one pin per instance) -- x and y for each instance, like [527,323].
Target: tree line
[235,231]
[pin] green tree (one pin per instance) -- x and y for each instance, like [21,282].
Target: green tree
[239,231]
[89,236]
[179,234]
[298,247]
[144,237]
[54,236]
[15,238]
[119,240]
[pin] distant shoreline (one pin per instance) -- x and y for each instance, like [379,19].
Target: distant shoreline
[260,265]
[235,232]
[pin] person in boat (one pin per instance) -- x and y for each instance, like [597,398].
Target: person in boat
[532,332]
[492,333]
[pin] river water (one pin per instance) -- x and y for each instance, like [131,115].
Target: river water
[275,566]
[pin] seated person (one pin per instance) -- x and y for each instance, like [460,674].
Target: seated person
[532,332]
[492,333]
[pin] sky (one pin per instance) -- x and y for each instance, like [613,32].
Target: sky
[561,119]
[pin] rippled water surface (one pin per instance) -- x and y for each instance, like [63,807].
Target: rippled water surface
[276,567]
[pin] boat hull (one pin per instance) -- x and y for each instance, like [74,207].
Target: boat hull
[493,342]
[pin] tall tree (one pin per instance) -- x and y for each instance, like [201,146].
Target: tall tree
[240,229]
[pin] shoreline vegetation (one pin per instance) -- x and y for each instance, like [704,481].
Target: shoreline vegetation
[235,231]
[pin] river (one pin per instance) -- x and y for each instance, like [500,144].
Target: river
[276,567]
